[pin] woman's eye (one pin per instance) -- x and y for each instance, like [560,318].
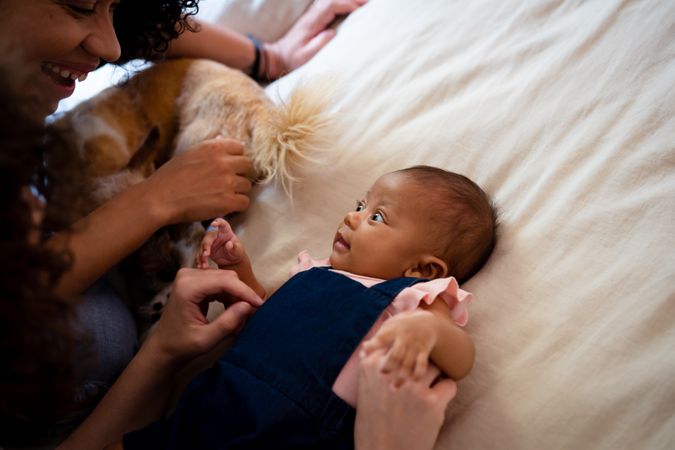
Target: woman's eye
[377,217]
[359,206]
[83,11]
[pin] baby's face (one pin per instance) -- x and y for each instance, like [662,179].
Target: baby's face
[387,231]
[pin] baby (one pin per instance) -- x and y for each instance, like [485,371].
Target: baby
[290,379]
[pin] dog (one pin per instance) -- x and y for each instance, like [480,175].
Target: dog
[121,136]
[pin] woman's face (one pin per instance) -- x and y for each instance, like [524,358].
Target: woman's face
[57,43]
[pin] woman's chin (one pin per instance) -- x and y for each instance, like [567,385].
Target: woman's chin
[39,100]
[51,93]
[36,106]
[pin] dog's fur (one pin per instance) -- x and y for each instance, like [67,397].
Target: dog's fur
[122,135]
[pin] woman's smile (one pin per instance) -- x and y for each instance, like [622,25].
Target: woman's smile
[62,76]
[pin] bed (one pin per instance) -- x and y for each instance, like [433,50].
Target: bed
[565,113]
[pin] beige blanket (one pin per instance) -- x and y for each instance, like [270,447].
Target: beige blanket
[565,113]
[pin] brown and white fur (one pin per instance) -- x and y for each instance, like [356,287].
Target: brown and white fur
[123,134]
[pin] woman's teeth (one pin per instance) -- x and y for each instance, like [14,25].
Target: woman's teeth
[66,74]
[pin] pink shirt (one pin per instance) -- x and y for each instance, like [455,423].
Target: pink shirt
[346,384]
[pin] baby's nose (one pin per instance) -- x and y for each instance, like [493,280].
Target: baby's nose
[353,219]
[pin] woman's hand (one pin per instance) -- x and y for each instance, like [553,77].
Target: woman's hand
[399,418]
[307,36]
[183,331]
[141,393]
[211,179]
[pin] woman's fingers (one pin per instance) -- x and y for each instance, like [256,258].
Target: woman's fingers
[445,390]
[229,321]
[202,284]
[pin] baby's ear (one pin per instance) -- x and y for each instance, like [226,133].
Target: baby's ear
[428,266]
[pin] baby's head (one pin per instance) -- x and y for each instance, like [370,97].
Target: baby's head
[421,222]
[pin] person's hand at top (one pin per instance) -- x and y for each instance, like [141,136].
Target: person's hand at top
[183,331]
[211,179]
[308,35]
[220,244]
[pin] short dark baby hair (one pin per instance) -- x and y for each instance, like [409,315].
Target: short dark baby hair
[464,219]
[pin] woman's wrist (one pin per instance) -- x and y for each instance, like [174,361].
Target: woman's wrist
[154,211]
[275,65]
[155,355]
[268,62]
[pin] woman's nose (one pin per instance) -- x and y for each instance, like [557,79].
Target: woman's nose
[353,219]
[102,41]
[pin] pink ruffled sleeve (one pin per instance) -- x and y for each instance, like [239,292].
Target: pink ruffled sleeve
[306,262]
[446,288]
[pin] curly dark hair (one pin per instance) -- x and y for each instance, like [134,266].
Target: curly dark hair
[38,335]
[144,29]
[42,346]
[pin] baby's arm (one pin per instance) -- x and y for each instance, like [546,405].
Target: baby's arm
[225,249]
[412,338]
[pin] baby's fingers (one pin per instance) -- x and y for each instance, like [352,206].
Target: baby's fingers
[199,260]
[202,256]
[379,341]
[421,364]
[394,359]
[405,369]
[219,222]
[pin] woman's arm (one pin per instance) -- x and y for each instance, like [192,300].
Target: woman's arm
[307,36]
[140,395]
[217,43]
[209,180]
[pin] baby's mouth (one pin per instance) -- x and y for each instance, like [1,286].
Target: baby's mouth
[340,242]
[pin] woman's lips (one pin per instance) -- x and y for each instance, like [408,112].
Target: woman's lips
[65,76]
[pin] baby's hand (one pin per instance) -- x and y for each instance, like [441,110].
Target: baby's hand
[220,244]
[408,339]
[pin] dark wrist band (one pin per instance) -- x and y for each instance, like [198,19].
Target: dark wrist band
[255,68]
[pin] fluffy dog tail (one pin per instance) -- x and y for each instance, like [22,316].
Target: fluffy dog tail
[297,133]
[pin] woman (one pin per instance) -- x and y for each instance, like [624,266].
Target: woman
[55,43]
[63,40]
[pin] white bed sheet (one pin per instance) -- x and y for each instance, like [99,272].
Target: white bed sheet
[565,113]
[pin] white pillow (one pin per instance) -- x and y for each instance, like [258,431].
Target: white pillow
[268,20]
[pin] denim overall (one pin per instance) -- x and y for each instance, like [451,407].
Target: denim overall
[273,388]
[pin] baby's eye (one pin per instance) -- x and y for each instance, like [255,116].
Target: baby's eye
[377,217]
[360,206]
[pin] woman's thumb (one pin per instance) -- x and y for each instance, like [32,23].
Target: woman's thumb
[445,389]
[229,321]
